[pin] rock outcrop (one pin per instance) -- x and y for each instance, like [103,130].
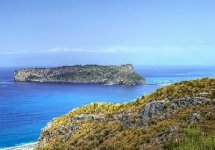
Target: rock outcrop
[91,74]
[162,109]
[144,124]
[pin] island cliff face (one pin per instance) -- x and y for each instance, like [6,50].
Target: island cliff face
[176,117]
[94,74]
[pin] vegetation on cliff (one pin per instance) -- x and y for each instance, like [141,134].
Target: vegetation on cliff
[180,116]
[194,138]
[94,74]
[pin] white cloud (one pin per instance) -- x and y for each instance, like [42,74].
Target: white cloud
[164,50]
[113,49]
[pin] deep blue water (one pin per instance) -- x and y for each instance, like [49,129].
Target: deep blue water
[25,108]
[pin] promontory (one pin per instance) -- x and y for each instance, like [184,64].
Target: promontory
[180,116]
[91,74]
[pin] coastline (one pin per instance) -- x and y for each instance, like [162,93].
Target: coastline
[28,146]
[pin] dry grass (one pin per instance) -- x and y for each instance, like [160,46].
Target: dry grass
[110,135]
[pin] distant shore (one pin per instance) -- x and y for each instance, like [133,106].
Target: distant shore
[29,146]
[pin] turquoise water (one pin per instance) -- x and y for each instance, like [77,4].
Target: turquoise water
[25,108]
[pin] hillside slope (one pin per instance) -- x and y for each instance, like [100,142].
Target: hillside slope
[179,116]
[91,74]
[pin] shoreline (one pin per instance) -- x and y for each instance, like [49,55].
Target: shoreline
[28,146]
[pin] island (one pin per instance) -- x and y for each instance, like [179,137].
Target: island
[178,116]
[87,74]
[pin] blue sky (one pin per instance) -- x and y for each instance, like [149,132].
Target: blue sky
[140,32]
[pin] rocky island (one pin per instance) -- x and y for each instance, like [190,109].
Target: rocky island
[180,117]
[91,74]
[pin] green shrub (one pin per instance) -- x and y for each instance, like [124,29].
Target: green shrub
[195,139]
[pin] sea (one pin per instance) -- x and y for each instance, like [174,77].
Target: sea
[25,108]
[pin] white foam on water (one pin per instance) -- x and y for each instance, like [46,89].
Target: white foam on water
[26,146]
[6,82]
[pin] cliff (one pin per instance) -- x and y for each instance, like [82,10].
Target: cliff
[180,116]
[94,74]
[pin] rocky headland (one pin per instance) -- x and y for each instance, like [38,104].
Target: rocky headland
[180,117]
[88,74]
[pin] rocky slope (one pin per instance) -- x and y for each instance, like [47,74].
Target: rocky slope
[94,74]
[165,119]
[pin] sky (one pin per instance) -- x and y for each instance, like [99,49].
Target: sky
[140,32]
